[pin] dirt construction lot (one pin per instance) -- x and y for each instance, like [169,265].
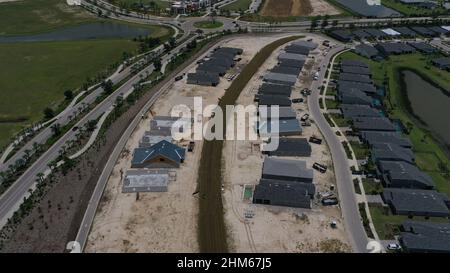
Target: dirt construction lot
[272,228]
[161,222]
[285,8]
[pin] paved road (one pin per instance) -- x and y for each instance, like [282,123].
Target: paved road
[13,197]
[347,198]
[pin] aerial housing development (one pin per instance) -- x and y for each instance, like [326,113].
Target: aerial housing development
[225,126]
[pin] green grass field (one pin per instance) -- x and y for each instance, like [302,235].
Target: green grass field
[237,6]
[35,75]
[412,10]
[31,16]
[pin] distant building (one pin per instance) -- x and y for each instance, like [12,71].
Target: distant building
[272,100]
[367,51]
[356,70]
[290,127]
[400,174]
[354,96]
[394,48]
[292,147]
[375,137]
[279,78]
[367,88]
[145,181]
[423,47]
[355,78]
[283,113]
[161,155]
[289,170]
[341,35]
[282,194]
[373,124]
[422,237]
[391,152]
[413,202]
[442,63]
[275,89]
[354,110]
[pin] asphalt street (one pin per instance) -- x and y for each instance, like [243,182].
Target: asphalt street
[347,198]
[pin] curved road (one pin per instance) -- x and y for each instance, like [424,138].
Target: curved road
[347,198]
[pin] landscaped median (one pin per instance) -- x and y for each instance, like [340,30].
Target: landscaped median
[208,24]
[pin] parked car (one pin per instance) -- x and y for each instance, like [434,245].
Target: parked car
[191,146]
[320,167]
[179,77]
[330,201]
[299,100]
[306,123]
[393,246]
[305,117]
[315,140]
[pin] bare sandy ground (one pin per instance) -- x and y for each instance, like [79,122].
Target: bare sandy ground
[278,229]
[160,222]
[285,8]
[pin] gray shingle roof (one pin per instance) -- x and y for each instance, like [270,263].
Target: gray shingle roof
[373,124]
[309,187]
[290,62]
[392,152]
[280,78]
[292,56]
[366,50]
[285,127]
[297,49]
[283,113]
[284,169]
[356,70]
[277,194]
[355,110]
[375,137]
[423,47]
[355,78]
[405,31]
[354,96]
[416,202]
[286,70]
[275,89]
[274,100]
[425,236]
[292,147]
[398,174]
[365,87]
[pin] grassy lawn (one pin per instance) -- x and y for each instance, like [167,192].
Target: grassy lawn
[237,5]
[35,75]
[340,120]
[208,24]
[331,104]
[411,10]
[372,187]
[387,224]
[361,150]
[31,16]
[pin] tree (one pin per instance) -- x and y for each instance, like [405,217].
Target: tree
[108,86]
[56,129]
[68,94]
[48,113]
[172,42]
[157,64]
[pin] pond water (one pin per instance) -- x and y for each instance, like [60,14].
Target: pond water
[369,8]
[86,31]
[429,103]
